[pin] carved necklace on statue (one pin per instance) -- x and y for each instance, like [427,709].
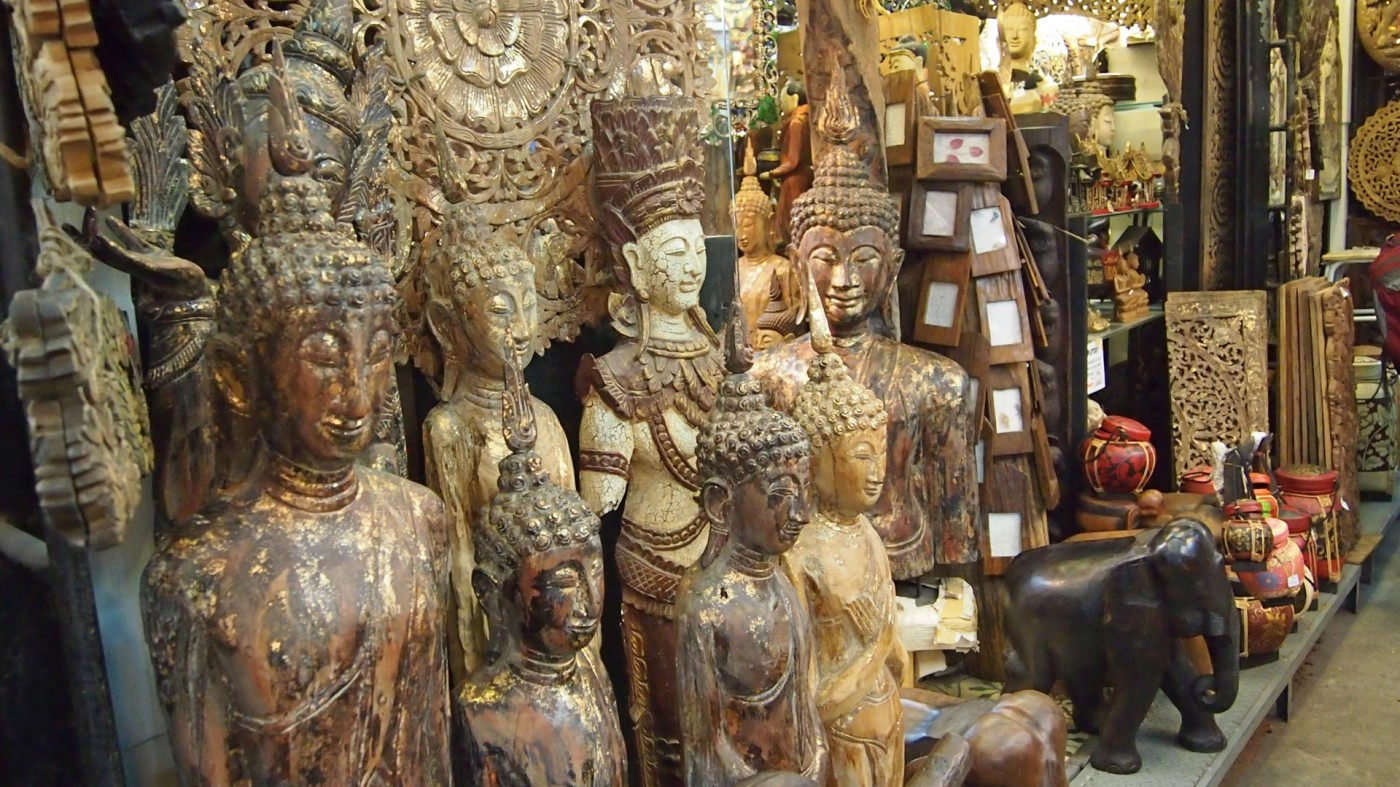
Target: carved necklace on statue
[311,490]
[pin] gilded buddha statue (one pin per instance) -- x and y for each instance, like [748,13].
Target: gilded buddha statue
[846,233]
[645,400]
[769,287]
[541,710]
[840,569]
[296,623]
[748,677]
[482,312]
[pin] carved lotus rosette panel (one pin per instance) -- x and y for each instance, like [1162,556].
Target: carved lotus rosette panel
[1378,27]
[1218,364]
[1374,162]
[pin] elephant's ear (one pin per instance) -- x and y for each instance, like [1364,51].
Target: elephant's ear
[1133,603]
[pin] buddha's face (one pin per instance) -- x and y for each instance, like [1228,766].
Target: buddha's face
[1105,127]
[668,265]
[904,60]
[771,507]
[1018,31]
[788,101]
[849,471]
[500,315]
[331,151]
[561,596]
[851,271]
[752,231]
[323,381]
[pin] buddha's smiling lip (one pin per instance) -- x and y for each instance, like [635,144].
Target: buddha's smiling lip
[845,301]
[582,627]
[689,286]
[874,488]
[792,529]
[345,427]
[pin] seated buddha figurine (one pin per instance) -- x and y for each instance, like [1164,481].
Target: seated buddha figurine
[480,290]
[840,568]
[296,623]
[768,284]
[1129,295]
[542,710]
[846,232]
[745,657]
[644,401]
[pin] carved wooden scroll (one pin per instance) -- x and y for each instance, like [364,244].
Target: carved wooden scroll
[1218,362]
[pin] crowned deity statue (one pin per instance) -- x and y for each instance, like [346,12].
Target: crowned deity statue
[297,621]
[541,710]
[482,313]
[644,401]
[298,97]
[846,234]
[840,569]
[1027,88]
[769,288]
[747,667]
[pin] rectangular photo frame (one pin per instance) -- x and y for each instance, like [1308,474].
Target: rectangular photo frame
[938,216]
[901,116]
[942,299]
[1012,409]
[1001,307]
[992,233]
[958,148]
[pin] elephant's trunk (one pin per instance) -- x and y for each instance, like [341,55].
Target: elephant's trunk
[1217,692]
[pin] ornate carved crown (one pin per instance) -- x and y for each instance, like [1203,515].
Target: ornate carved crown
[646,168]
[319,67]
[751,198]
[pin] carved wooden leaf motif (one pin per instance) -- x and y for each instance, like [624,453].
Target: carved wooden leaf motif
[1124,12]
[1218,364]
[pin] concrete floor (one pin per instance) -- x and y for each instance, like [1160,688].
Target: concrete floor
[1345,727]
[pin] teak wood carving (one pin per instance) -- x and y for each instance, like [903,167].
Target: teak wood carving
[769,288]
[1218,363]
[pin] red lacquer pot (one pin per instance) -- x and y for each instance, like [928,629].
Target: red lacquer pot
[1198,481]
[1119,457]
[1282,576]
[1246,537]
[1263,629]
[1312,491]
[1264,493]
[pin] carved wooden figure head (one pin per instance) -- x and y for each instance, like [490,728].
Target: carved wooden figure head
[539,567]
[845,230]
[1016,30]
[753,211]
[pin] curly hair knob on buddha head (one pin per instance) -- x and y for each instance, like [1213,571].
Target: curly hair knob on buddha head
[745,435]
[468,253]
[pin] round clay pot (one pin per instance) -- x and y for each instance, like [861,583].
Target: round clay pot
[1119,457]
[1198,481]
[1265,628]
[1102,514]
[1282,576]
[1246,536]
[1312,490]
[1298,521]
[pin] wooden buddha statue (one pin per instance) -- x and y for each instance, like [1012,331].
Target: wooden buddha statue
[840,568]
[1129,293]
[645,400]
[541,710]
[846,232]
[769,287]
[482,311]
[748,678]
[296,623]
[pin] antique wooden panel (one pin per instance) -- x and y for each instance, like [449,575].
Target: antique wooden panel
[1218,365]
[1217,172]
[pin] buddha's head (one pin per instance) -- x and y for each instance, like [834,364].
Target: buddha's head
[847,424]
[1016,29]
[539,572]
[1105,126]
[845,230]
[753,212]
[793,96]
[310,74]
[482,306]
[648,183]
[756,462]
[909,54]
[305,330]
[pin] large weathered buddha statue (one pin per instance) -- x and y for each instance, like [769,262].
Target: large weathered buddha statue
[482,312]
[748,677]
[846,233]
[296,623]
[541,711]
[840,568]
[769,287]
[645,400]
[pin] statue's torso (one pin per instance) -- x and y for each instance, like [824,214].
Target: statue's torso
[311,642]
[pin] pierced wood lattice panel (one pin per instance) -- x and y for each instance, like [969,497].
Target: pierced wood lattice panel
[1218,364]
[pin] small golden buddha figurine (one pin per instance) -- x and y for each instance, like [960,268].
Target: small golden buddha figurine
[482,311]
[846,232]
[542,711]
[748,677]
[840,568]
[645,400]
[768,284]
[296,623]
[1129,297]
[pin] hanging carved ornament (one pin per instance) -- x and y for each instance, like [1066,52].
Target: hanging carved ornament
[1124,12]
[1218,363]
[1373,167]
[83,146]
[75,362]
[1378,27]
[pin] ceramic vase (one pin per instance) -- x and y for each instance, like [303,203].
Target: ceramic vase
[1119,457]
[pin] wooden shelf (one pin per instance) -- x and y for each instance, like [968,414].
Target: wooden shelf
[1154,313]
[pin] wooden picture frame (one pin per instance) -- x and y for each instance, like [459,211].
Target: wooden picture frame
[1001,308]
[938,217]
[901,117]
[992,233]
[1012,410]
[963,149]
[942,299]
